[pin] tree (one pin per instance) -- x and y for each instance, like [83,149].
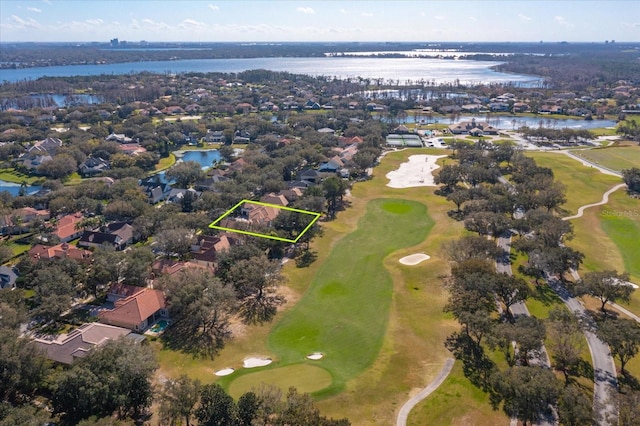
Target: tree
[201,307]
[256,282]
[60,166]
[97,386]
[471,247]
[22,366]
[623,337]
[632,178]
[565,340]
[178,400]
[574,407]
[510,290]
[137,265]
[175,241]
[529,333]
[185,173]
[449,176]
[527,392]
[459,197]
[607,286]
[334,190]
[628,405]
[248,405]
[23,415]
[54,290]
[216,408]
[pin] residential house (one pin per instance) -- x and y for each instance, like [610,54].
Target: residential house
[309,175]
[209,184]
[132,148]
[207,248]
[156,191]
[60,251]
[117,234]
[93,166]
[241,137]
[48,146]
[135,308]
[276,199]
[20,220]
[8,278]
[214,136]
[331,166]
[66,227]
[170,267]
[257,214]
[521,107]
[176,195]
[118,137]
[66,348]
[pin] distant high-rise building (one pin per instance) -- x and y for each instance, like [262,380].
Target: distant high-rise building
[114,42]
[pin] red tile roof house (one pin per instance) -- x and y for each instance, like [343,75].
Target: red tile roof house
[207,248]
[66,227]
[135,308]
[61,251]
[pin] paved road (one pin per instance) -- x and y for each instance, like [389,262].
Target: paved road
[520,309]
[401,420]
[604,369]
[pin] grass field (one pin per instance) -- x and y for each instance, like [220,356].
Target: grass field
[614,157]
[11,175]
[585,185]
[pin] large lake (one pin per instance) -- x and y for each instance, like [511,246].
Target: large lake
[438,71]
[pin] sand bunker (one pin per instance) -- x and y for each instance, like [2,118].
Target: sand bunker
[224,372]
[414,259]
[256,362]
[418,171]
[315,356]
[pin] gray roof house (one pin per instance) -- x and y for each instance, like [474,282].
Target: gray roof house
[7,278]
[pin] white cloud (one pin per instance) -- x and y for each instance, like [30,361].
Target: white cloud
[367,14]
[18,22]
[523,17]
[306,10]
[191,24]
[34,9]
[473,18]
[439,17]
[560,20]
[344,11]
[214,7]
[94,21]
[155,25]
[135,25]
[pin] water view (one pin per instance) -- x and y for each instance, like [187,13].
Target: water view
[438,71]
[504,122]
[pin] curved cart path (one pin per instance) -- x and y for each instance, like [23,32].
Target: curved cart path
[605,200]
[408,406]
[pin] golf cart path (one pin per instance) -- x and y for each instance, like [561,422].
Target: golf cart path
[605,200]
[408,406]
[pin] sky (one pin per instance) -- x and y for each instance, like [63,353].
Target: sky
[293,20]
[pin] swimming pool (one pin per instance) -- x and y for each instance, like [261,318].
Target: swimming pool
[159,326]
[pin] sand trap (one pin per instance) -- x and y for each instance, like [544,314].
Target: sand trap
[418,171]
[315,356]
[414,259]
[256,362]
[224,372]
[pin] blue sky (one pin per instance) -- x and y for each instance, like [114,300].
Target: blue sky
[291,20]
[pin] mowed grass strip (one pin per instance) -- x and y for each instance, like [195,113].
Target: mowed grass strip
[614,157]
[585,185]
[346,310]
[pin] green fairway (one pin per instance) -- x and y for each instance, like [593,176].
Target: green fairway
[304,377]
[624,229]
[585,185]
[344,314]
[614,157]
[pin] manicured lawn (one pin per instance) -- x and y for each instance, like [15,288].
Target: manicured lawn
[165,163]
[585,185]
[11,175]
[345,312]
[304,377]
[457,402]
[614,157]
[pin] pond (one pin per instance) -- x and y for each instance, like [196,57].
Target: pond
[14,188]
[205,157]
[505,122]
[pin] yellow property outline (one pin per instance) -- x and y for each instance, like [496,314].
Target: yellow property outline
[270,237]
